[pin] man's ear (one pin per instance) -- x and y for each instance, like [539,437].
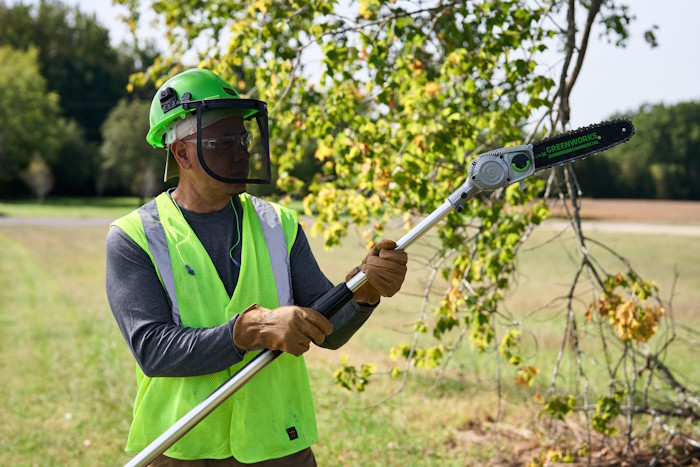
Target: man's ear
[179,151]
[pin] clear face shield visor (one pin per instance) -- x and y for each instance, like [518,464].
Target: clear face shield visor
[232,140]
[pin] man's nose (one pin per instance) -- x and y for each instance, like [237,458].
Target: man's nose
[240,153]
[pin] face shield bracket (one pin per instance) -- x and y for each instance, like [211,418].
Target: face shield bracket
[168,99]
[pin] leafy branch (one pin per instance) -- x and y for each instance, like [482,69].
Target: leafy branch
[400,99]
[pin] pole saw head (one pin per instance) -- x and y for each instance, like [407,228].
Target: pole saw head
[495,169]
[501,167]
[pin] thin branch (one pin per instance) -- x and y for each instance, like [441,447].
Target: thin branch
[684,394]
[592,13]
[499,385]
[292,79]
[564,110]
[560,355]
[388,18]
[416,334]
[673,432]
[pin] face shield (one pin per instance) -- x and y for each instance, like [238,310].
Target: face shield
[232,139]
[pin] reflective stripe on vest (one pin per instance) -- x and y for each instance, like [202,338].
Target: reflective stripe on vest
[277,247]
[274,238]
[158,244]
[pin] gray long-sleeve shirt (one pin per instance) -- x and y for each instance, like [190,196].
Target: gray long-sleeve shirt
[142,311]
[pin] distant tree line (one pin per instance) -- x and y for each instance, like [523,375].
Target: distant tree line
[661,161]
[72,125]
[62,83]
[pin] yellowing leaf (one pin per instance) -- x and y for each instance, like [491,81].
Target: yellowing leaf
[260,6]
[416,67]
[323,152]
[365,10]
[526,376]
[431,88]
[381,183]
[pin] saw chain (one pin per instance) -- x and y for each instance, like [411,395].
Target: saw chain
[581,142]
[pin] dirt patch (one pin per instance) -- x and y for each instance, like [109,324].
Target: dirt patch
[640,210]
[513,446]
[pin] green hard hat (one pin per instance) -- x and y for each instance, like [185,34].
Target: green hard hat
[196,84]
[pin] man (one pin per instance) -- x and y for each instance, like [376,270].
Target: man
[205,275]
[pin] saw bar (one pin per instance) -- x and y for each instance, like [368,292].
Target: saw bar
[581,142]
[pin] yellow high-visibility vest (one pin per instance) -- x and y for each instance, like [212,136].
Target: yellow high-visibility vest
[272,415]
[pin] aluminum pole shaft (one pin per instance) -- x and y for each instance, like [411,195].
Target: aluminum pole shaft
[204,408]
[409,239]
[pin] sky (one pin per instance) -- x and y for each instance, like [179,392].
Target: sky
[612,80]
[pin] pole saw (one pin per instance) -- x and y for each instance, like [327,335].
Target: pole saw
[489,171]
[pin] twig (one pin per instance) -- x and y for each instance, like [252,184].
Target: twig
[593,10]
[560,355]
[292,78]
[449,358]
[498,370]
[631,391]
[684,394]
[661,450]
[673,432]
[416,334]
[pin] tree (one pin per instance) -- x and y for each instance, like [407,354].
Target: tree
[79,64]
[406,95]
[77,164]
[75,55]
[127,159]
[39,177]
[661,161]
[30,121]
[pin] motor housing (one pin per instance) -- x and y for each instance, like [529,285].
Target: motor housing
[495,169]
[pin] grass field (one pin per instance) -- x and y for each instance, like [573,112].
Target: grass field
[69,207]
[68,378]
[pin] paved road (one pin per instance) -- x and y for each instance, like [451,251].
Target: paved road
[657,228]
[55,221]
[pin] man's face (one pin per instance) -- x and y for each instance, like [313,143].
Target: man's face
[225,153]
[231,150]
[225,148]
